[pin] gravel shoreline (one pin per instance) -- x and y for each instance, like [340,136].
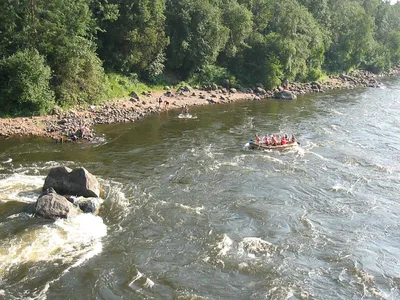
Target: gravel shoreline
[76,124]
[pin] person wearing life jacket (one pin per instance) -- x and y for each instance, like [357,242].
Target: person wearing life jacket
[274,140]
[268,140]
[257,138]
[293,139]
[265,139]
[283,140]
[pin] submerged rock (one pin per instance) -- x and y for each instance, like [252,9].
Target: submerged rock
[89,205]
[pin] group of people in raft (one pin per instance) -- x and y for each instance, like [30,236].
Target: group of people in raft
[275,139]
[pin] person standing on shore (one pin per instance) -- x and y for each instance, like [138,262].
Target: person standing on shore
[286,83]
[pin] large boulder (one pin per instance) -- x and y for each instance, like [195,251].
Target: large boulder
[50,205]
[78,182]
[285,95]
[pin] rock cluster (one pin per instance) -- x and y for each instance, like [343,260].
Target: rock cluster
[67,193]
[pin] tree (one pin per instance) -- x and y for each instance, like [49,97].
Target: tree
[135,42]
[65,33]
[303,49]
[387,34]
[238,19]
[352,36]
[24,84]
[261,61]
[262,11]
[197,35]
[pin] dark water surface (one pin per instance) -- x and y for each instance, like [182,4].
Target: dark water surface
[191,214]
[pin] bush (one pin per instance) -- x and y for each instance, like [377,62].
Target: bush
[79,77]
[212,74]
[24,84]
[314,74]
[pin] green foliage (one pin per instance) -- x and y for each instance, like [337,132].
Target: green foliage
[119,86]
[393,44]
[135,42]
[64,34]
[352,32]
[80,79]
[11,27]
[238,19]
[167,41]
[261,62]
[212,74]
[262,11]
[197,34]
[302,43]
[24,84]
[314,74]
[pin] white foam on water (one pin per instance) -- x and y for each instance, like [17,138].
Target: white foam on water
[318,155]
[95,250]
[253,246]
[300,152]
[197,210]
[310,145]
[224,245]
[280,292]
[367,281]
[20,187]
[236,161]
[274,160]
[338,187]
[337,112]
[72,240]
[114,192]
[386,168]
[335,127]
[206,150]
[34,169]
[140,281]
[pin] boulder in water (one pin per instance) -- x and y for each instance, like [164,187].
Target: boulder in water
[78,182]
[50,205]
[285,95]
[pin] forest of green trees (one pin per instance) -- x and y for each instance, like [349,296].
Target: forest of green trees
[64,52]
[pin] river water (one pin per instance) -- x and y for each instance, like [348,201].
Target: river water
[190,213]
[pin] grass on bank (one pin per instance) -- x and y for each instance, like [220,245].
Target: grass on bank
[120,86]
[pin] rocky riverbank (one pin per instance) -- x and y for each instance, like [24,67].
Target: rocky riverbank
[76,124]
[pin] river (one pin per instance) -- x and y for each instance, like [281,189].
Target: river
[190,213]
